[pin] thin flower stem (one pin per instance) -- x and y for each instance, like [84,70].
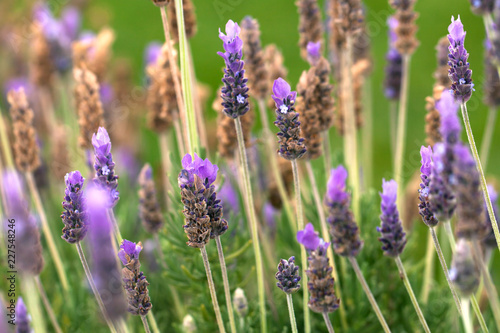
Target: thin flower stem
[165,163]
[90,279]
[401,129]
[154,326]
[7,153]
[466,318]
[484,187]
[449,233]
[186,79]
[367,135]
[393,109]
[445,268]
[262,112]
[225,280]
[488,25]
[491,291]
[47,305]
[327,151]
[328,323]
[488,136]
[145,323]
[291,313]
[429,270]
[213,294]
[161,256]
[32,303]
[175,78]
[178,137]
[406,281]
[369,294]
[46,231]
[250,208]
[116,228]
[303,255]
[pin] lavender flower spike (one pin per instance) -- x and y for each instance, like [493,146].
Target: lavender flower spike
[23,318]
[343,228]
[74,216]
[288,276]
[287,120]
[451,128]
[234,93]
[104,166]
[423,192]
[136,285]
[393,238]
[459,72]
[394,67]
[308,237]
[464,272]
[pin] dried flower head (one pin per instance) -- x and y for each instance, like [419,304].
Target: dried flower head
[288,276]
[291,144]
[74,215]
[406,42]
[433,118]
[60,154]
[189,19]
[149,209]
[42,66]
[104,166]
[310,24]
[491,84]
[464,272]
[482,7]
[459,72]
[441,72]
[25,146]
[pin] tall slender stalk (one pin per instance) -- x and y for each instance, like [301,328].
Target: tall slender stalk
[406,281]
[46,231]
[166,167]
[225,280]
[145,324]
[488,24]
[401,130]
[393,119]
[303,254]
[250,208]
[428,270]
[178,137]
[47,305]
[369,294]
[5,143]
[367,135]
[175,78]
[213,294]
[90,279]
[152,319]
[466,318]
[445,268]
[327,151]
[328,323]
[449,233]
[186,78]
[484,187]
[291,313]
[488,136]
[116,228]
[32,303]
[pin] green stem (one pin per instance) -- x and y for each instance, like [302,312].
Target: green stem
[213,294]
[406,281]
[152,319]
[369,294]
[484,187]
[328,323]
[327,151]
[47,305]
[291,313]
[393,118]
[250,208]
[90,279]
[303,254]
[225,280]
[449,233]
[32,303]
[5,143]
[445,268]
[466,318]
[145,324]
[118,235]
[178,137]
[428,271]
[186,78]
[367,135]
[401,130]
[488,136]
[166,167]
[46,231]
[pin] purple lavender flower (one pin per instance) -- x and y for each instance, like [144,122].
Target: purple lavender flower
[136,285]
[313,52]
[229,197]
[153,50]
[235,91]
[442,200]
[287,120]
[343,228]
[490,241]
[104,269]
[104,166]
[308,237]
[423,192]
[288,276]
[74,216]
[459,72]
[393,237]
[394,67]
[23,318]
[270,216]
[16,83]
[202,168]
[450,124]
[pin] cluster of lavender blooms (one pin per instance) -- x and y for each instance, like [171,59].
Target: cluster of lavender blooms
[392,237]
[288,276]
[59,33]
[235,90]
[319,272]
[135,283]
[394,67]
[343,228]
[74,216]
[23,318]
[460,74]
[292,146]
[202,210]
[104,166]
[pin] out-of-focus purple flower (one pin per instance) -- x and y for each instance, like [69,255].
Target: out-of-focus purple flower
[129,251]
[270,215]
[450,124]
[126,162]
[423,192]
[490,241]
[74,216]
[71,22]
[308,237]
[459,72]
[336,186]
[23,318]
[153,50]
[107,95]
[104,166]
[202,168]
[313,52]
[392,237]
[16,83]
[394,67]
[442,200]
[229,197]
[464,272]
[482,7]
[104,269]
